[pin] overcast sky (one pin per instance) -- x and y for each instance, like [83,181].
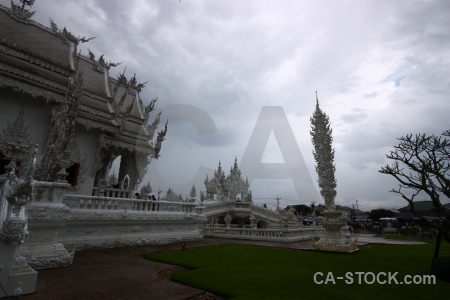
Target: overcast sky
[381,69]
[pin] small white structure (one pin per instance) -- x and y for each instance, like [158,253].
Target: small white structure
[231,213]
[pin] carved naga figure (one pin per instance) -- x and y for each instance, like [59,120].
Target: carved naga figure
[15,194]
[159,139]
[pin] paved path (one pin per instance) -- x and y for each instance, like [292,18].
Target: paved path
[374,239]
[121,273]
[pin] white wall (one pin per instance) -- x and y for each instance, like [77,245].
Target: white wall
[87,141]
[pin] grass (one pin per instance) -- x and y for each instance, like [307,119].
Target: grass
[251,272]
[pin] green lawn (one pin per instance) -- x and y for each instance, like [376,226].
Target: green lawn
[250,272]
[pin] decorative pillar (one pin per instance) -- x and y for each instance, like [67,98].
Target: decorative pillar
[323,153]
[123,169]
[16,276]
[228,219]
[46,215]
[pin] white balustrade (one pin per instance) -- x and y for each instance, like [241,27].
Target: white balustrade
[113,203]
[110,192]
[278,234]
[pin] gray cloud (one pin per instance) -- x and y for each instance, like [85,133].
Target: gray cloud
[356,116]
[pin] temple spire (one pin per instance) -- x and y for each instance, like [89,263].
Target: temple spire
[321,137]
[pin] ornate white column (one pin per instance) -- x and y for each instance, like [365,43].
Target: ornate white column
[16,276]
[333,220]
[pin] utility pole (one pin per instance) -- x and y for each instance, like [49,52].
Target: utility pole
[278,201]
[352,214]
[159,192]
[313,206]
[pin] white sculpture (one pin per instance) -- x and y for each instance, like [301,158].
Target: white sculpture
[15,275]
[321,136]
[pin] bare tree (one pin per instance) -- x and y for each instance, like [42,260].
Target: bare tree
[422,165]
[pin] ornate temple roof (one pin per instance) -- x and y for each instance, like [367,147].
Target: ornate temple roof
[40,61]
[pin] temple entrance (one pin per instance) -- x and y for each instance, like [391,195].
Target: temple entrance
[3,163]
[117,174]
[112,176]
[262,225]
[73,171]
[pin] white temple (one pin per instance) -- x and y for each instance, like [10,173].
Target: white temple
[82,118]
[227,188]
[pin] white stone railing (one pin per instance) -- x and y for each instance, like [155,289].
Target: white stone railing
[290,234]
[111,192]
[263,210]
[45,191]
[244,205]
[266,213]
[215,208]
[112,203]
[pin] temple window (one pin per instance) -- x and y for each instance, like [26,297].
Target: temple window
[3,163]
[73,172]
